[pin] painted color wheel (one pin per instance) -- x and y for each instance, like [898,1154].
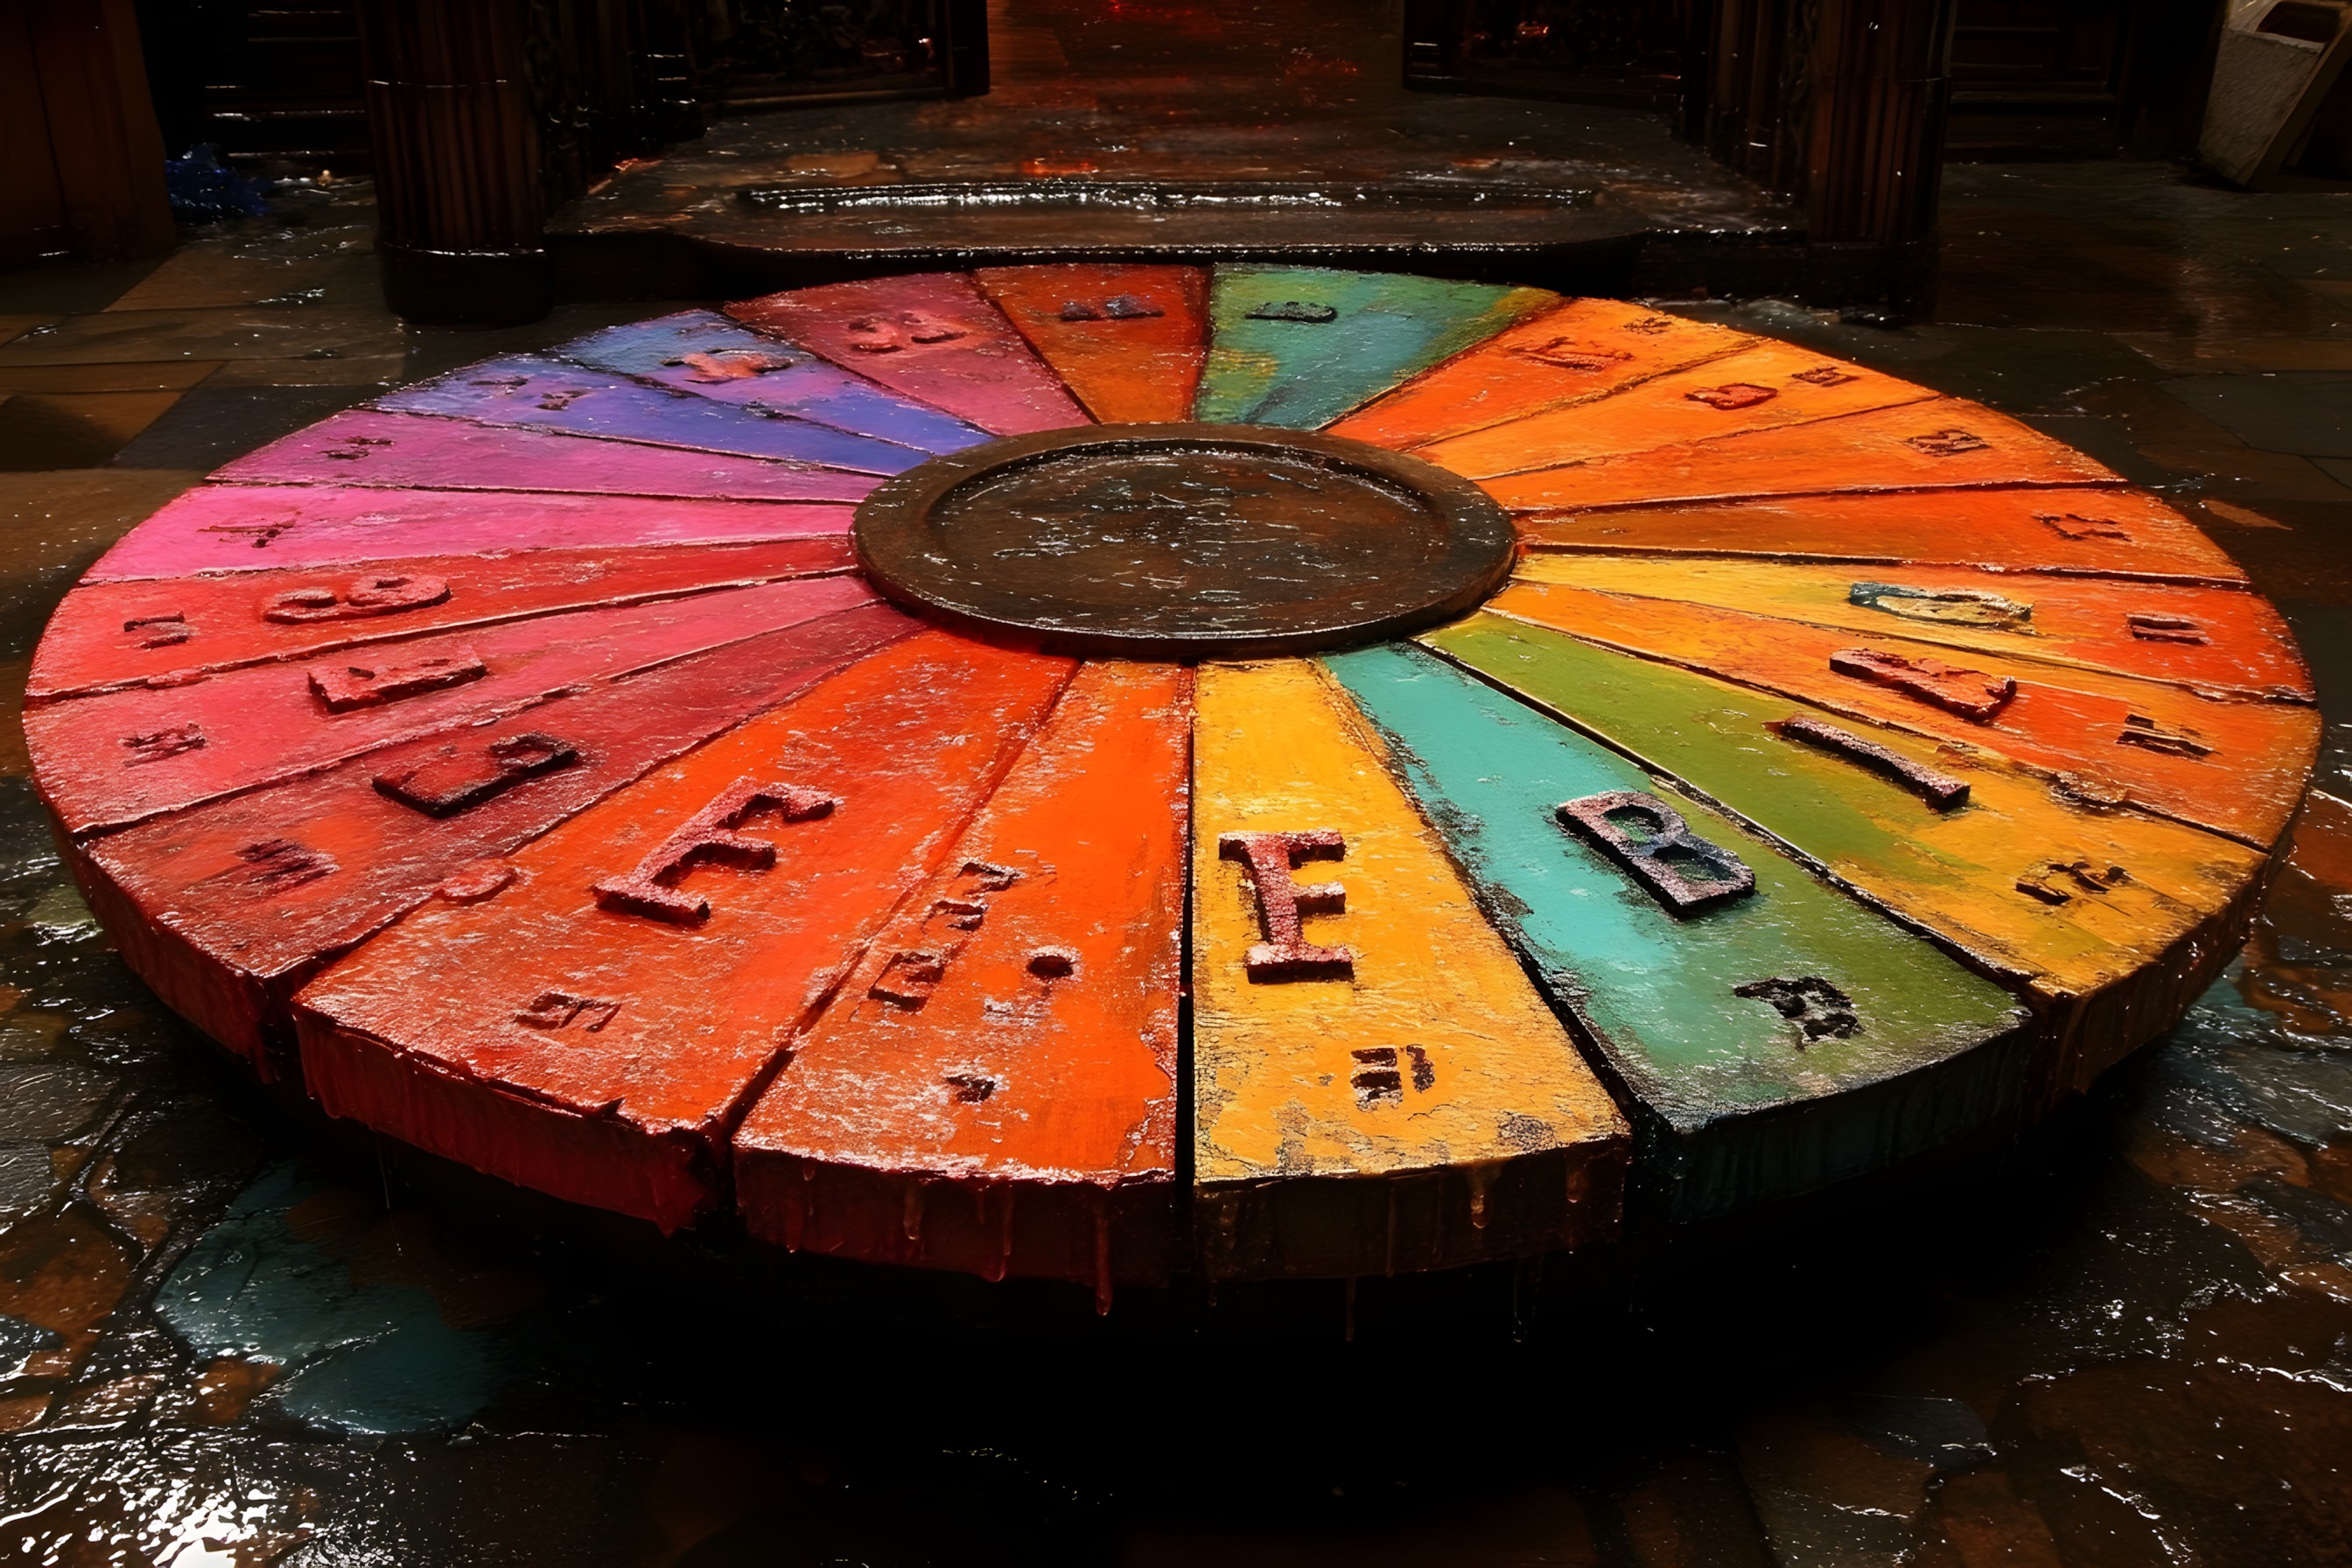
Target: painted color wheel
[524,761]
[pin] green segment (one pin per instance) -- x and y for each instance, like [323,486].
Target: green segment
[1938,1049]
[1275,359]
[1712,736]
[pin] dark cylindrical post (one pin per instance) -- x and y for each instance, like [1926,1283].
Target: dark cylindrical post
[462,211]
[1881,93]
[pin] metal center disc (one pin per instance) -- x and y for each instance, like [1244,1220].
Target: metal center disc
[1184,541]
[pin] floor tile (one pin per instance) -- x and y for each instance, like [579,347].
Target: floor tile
[213,274]
[149,375]
[73,429]
[314,370]
[250,331]
[58,289]
[2195,355]
[210,424]
[2308,414]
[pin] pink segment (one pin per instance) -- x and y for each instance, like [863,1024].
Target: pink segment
[932,336]
[362,446]
[242,527]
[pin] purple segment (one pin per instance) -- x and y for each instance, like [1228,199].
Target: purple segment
[707,355]
[535,394]
[366,446]
[231,528]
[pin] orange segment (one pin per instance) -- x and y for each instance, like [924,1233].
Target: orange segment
[1127,339]
[1763,387]
[1581,350]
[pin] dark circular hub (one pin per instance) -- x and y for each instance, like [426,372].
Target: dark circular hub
[1184,541]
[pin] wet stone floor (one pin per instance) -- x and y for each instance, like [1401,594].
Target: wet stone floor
[229,1336]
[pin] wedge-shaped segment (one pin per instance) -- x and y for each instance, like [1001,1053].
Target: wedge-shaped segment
[368,446]
[154,631]
[1299,346]
[2236,766]
[2223,640]
[2113,922]
[1768,386]
[2084,532]
[229,908]
[1944,443]
[994,1090]
[931,336]
[1573,353]
[240,528]
[112,759]
[531,392]
[1126,339]
[705,355]
[1773,1043]
[1380,1089]
[575,1043]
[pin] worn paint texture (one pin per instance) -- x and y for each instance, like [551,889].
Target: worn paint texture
[1299,346]
[1495,1132]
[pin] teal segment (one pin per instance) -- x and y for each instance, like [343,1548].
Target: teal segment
[1734,1103]
[1299,346]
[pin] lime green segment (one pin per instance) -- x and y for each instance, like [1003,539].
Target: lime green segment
[1660,992]
[1299,346]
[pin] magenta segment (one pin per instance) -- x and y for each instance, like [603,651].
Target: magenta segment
[242,528]
[362,446]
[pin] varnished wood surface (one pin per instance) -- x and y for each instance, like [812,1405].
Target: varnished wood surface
[1426,1109]
[929,336]
[620,1050]
[2090,532]
[1127,341]
[994,1088]
[527,763]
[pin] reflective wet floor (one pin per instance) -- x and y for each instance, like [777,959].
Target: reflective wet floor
[231,1335]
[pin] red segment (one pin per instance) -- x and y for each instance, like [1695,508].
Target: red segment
[112,758]
[121,634]
[994,1089]
[364,446]
[206,915]
[602,1057]
[242,528]
[931,336]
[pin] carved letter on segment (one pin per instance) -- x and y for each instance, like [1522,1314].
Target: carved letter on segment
[449,783]
[1283,903]
[1649,838]
[707,836]
[1970,693]
[345,687]
[1941,791]
[355,601]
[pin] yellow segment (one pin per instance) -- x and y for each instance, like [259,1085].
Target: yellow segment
[1279,747]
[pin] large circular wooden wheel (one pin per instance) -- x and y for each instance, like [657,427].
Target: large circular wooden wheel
[1107,852]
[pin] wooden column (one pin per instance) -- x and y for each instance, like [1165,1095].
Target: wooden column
[1880,93]
[462,208]
[81,163]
